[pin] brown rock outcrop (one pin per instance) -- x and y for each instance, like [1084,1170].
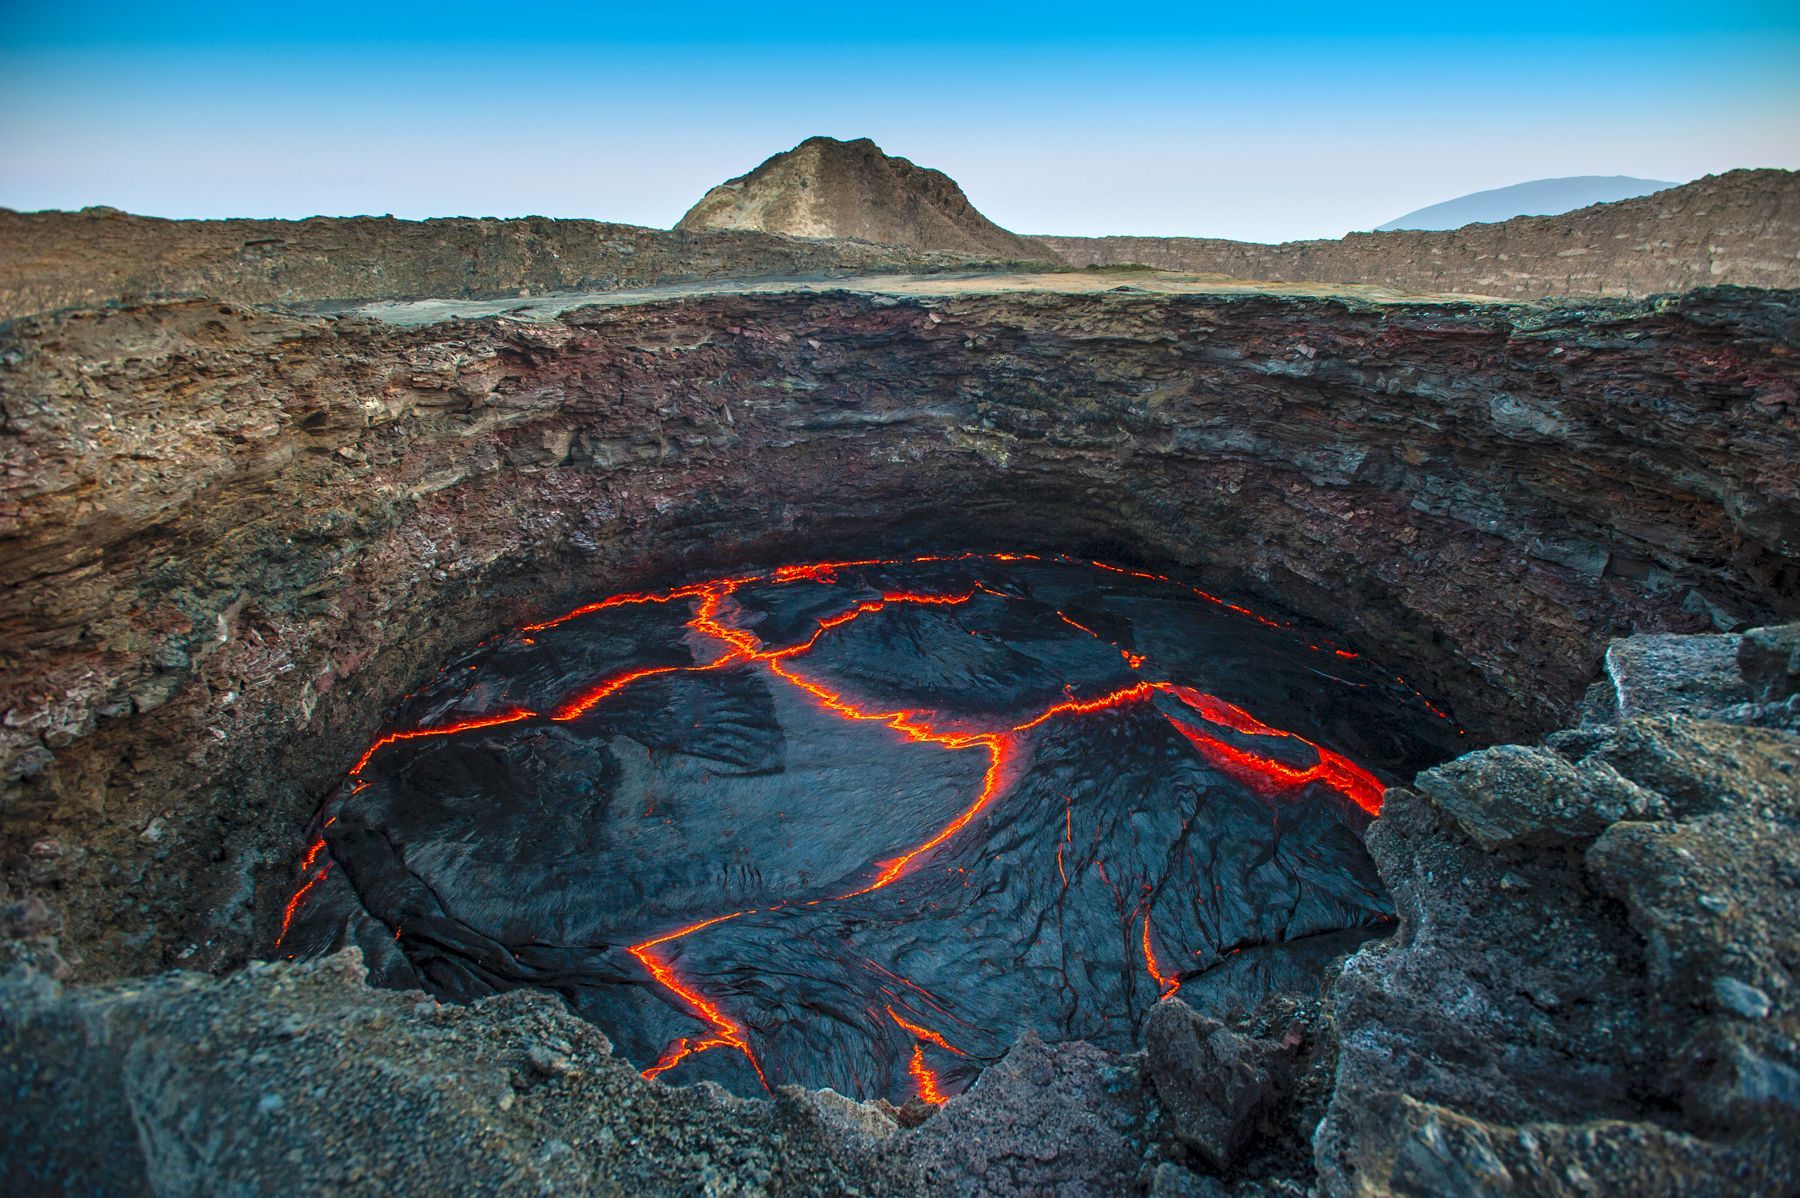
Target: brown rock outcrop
[1741,228]
[829,188]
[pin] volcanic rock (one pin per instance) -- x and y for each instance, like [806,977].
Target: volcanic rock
[1514,794]
[1614,1014]
[1062,1119]
[51,260]
[302,1080]
[1770,661]
[1215,1084]
[236,535]
[1685,674]
[850,189]
[1741,227]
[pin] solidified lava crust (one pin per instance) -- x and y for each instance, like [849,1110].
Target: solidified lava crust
[860,824]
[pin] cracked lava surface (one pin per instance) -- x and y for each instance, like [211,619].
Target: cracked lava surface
[861,824]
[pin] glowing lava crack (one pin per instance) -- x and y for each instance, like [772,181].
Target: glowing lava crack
[526,818]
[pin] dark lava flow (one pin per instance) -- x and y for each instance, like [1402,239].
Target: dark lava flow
[859,825]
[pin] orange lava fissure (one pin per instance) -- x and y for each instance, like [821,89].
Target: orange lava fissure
[1265,774]
[1166,984]
[926,1081]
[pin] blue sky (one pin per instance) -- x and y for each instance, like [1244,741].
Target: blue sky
[1262,122]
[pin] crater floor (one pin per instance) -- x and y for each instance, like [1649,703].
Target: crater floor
[860,824]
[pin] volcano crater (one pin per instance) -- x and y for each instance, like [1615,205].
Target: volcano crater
[861,824]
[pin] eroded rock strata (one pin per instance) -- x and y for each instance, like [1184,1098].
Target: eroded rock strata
[52,260]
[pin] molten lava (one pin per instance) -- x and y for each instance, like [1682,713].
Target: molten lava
[725,1032]
[926,1080]
[723,617]
[393,738]
[1166,984]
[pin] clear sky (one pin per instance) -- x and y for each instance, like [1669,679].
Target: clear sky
[1261,121]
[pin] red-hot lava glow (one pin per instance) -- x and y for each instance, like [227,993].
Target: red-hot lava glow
[923,1033]
[1266,774]
[1118,698]
[924,1078]
[577,707]
[486,721]
[925,1082]
[1166,984]
[299,897]
[726,1032]
[710,621]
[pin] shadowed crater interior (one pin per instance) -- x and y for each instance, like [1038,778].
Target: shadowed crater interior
[860,825]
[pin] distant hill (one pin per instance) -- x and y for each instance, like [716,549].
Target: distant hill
[824,187]
[1540,197]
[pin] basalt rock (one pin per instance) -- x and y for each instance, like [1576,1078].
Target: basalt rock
[1215,1084]
[858,825]
[302,1080]
[1769,659]
[1514,794]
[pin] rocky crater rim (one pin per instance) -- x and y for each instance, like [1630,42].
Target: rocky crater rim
[285,520]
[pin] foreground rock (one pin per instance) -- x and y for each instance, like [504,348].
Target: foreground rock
[1215,1084]
[824,187]
[300,1079]
[1586,996]
[1592,988]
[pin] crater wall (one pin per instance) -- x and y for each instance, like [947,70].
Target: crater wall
[235,534]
